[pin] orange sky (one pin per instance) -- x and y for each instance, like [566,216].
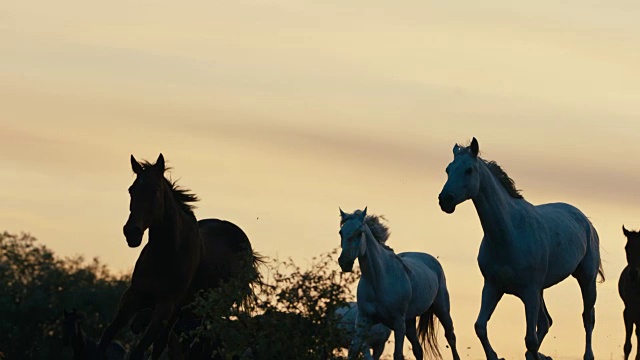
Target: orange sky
[276,113]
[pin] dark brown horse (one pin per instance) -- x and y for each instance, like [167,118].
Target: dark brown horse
[629,288]
[182,256]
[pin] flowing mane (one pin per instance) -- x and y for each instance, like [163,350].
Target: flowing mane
[379,230]
[502,176]
[504,179]
[183,197]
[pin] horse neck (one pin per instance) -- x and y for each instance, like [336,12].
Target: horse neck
[376,259]
[164,229]
[494,206]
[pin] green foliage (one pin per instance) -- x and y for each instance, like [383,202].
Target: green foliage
[35,287]
[290,316]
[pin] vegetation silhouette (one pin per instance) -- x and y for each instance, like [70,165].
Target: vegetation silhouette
[36,286]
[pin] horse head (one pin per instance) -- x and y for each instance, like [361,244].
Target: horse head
[351,238]
[463,179]
[146,203]
[632,249]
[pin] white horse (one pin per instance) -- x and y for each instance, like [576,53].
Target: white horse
[525,248]
[394,289]
[376,337]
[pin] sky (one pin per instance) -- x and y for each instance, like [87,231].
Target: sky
[277,113]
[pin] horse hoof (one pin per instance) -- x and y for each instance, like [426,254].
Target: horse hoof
[544,357]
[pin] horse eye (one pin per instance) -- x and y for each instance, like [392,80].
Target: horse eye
[446,171]
[469,171]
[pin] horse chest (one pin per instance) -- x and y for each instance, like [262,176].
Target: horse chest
[158,274]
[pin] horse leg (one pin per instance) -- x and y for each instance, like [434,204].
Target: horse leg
[399,331]
[363,325]
[532,303]
[130,304]
[490,298]
[587,282]
[162,315]
[544,320]
[412,335]
[378,349]
[162,339]
[442,310]
[366,353]
[174,349]
[628,327]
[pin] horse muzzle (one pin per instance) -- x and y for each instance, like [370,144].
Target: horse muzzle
[133,234]
[447,203]
[345,265]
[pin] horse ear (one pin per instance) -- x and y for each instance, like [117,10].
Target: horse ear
[364,213]
[625,231]
[342,214]
[456,149]
[475,148]
[135,165]
[160,163]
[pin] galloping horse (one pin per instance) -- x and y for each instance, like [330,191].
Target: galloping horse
[629,289]
[394,289]
[525,248]
[182,256]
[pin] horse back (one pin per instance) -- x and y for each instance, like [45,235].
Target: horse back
[422,263]
[226,252]
[561,220]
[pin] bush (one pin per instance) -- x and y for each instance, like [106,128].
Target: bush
[290,315]
[35,288]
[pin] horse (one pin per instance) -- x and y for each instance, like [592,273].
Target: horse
[182,256]
[525,248]
[376,337]
[629,289]
[84,347]
[394,289]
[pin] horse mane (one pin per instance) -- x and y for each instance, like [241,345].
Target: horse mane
[502,176]
[504,179]
[379,230]
[183,197]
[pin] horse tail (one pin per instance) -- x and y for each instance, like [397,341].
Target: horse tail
[257,260]
[595,240]
[428,334]
[252,279]
[601,272]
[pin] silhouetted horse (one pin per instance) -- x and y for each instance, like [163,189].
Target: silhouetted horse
[182,256]
[85,348]
[629,289]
